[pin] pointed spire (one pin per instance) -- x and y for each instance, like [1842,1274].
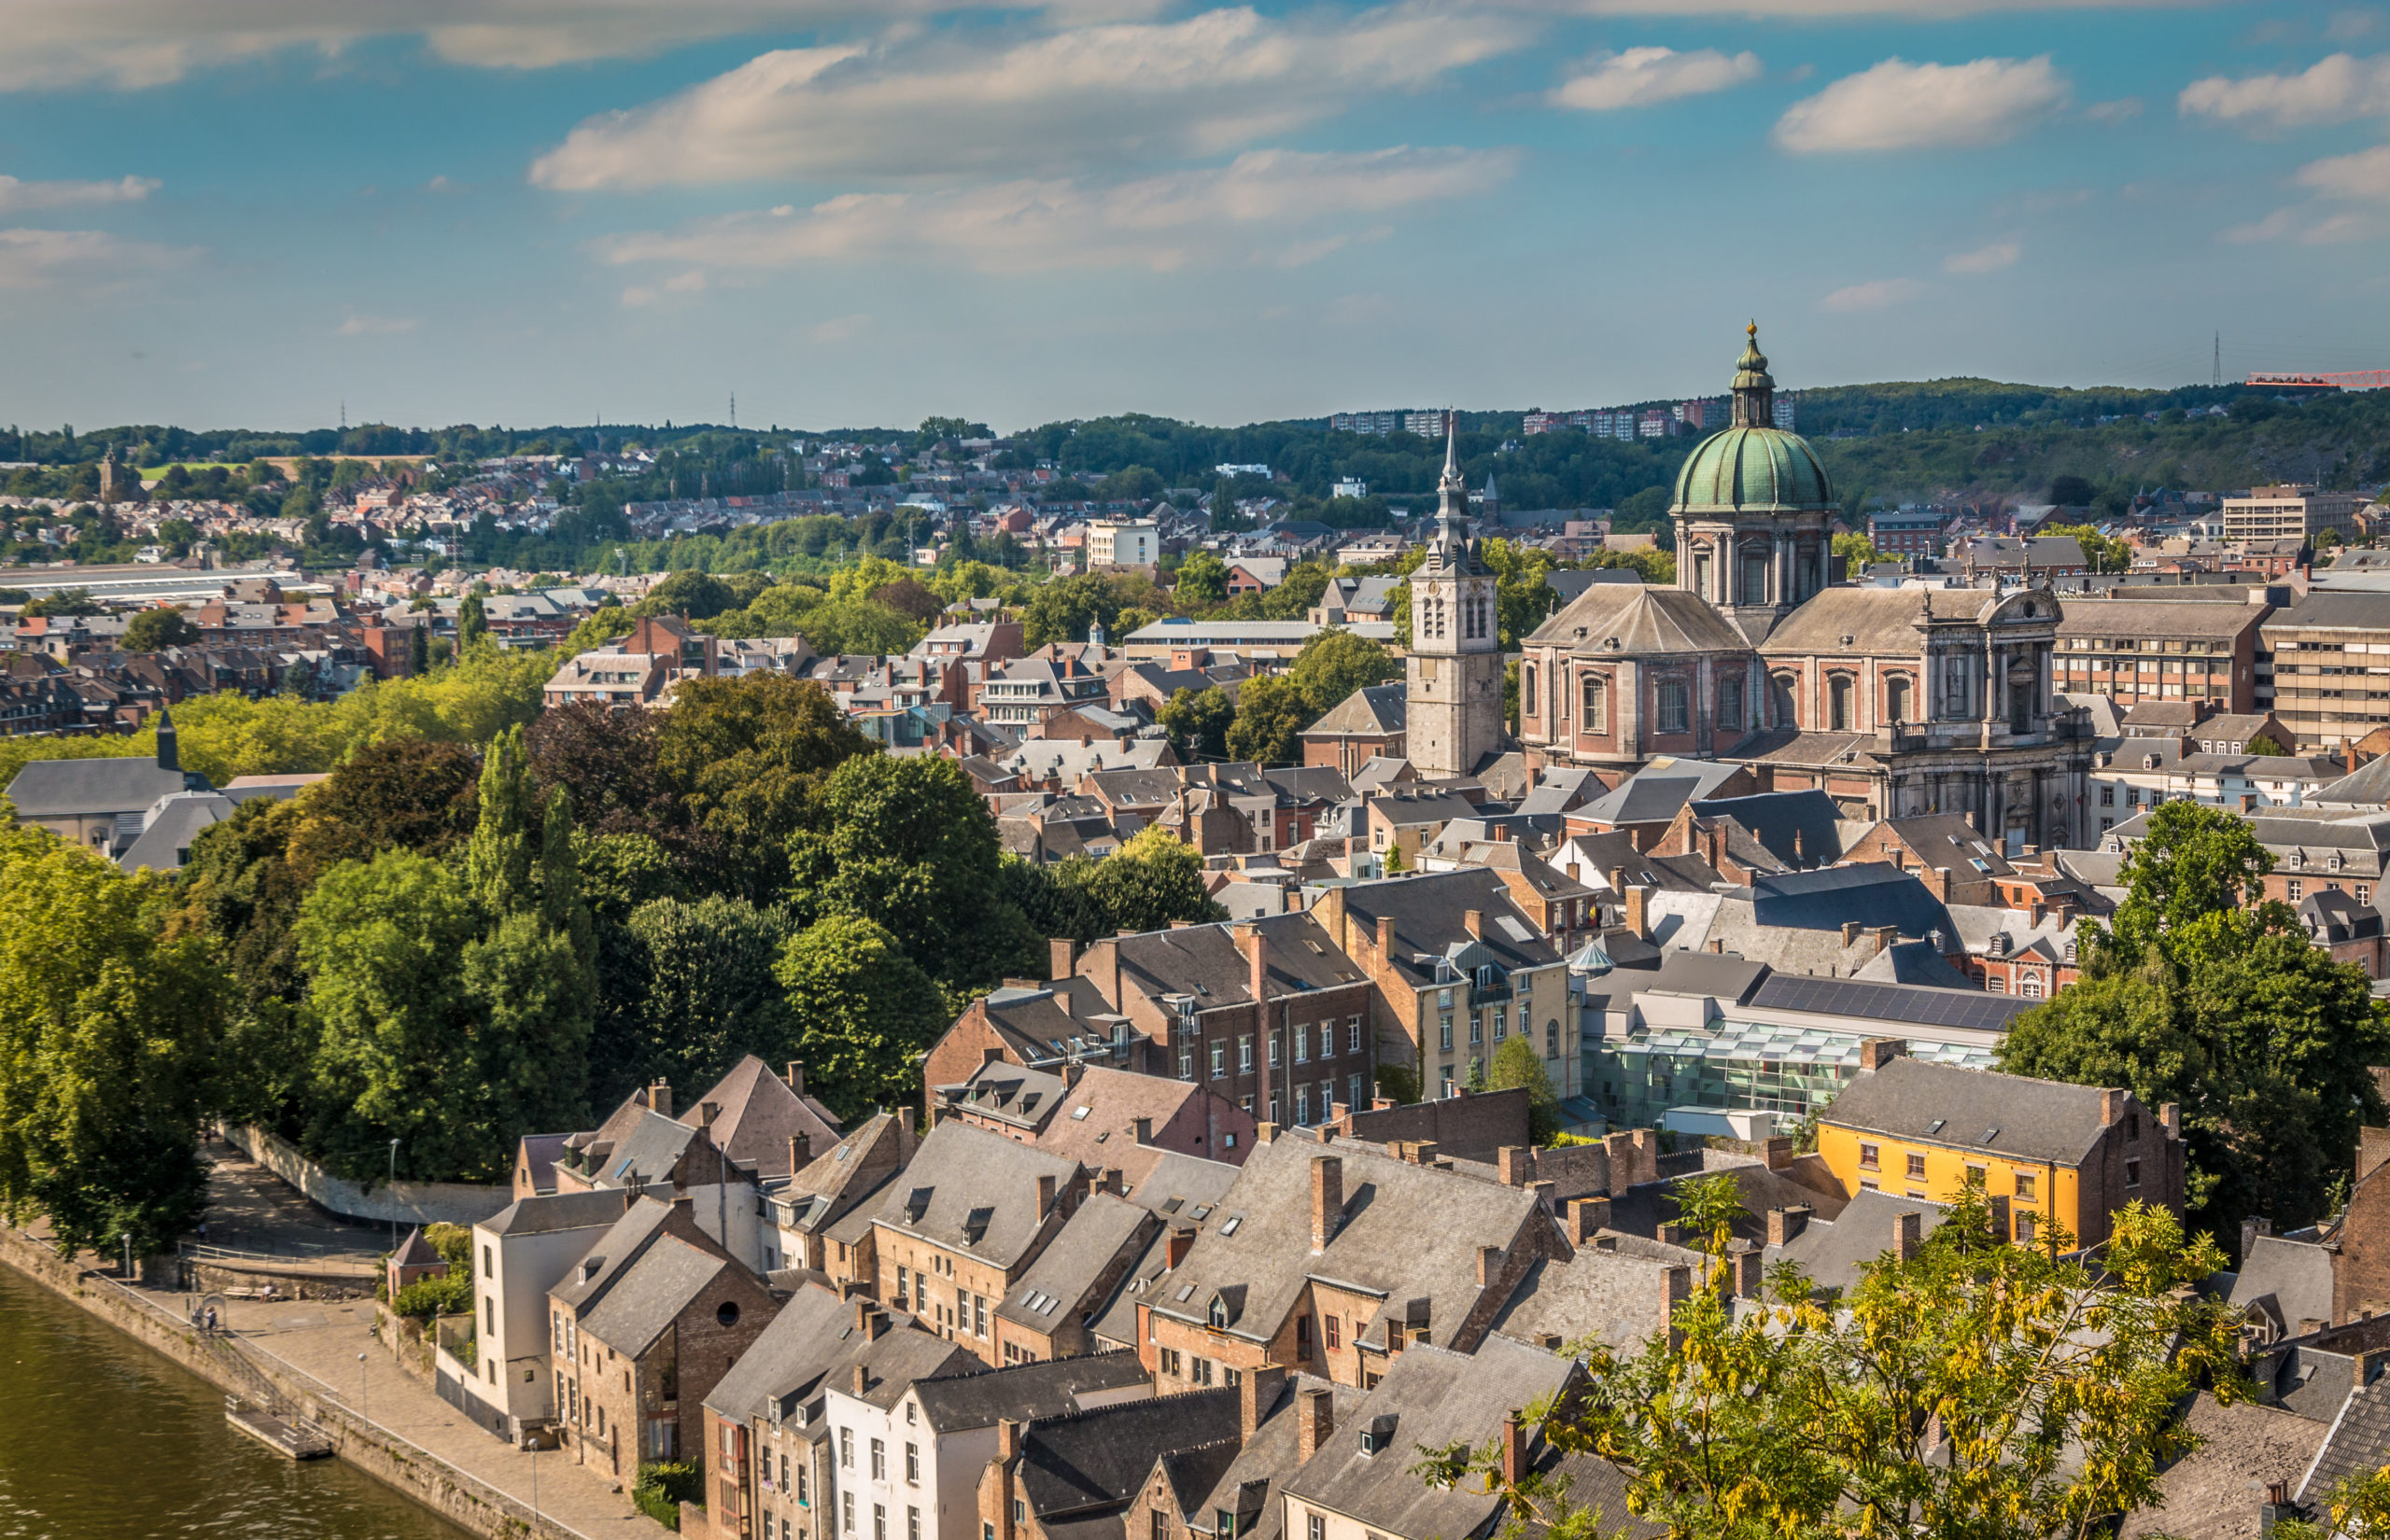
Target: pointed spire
[1451,436]
[169,758]
[1754,388]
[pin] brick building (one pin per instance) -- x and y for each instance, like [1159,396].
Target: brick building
[958,1229]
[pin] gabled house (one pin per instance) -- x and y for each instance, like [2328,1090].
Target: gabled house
[963,1225]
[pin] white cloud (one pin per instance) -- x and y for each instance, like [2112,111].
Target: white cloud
[357,324]
[2365,174]
[1641,77]
[16,195]
[945,102]
[1901,106]
[2273,227]
[1991,259]
[840,328]
[84,258]
[1876,294]
[1159,222]
[2123,109]
[1923,11]
[134,44]
[2330,90]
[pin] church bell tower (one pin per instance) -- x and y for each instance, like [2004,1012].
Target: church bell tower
[1453,690]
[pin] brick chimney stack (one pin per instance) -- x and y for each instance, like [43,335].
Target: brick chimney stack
[796,1077]
[1181,1237]
[1676,1287]
[1911,1236]
[1257,1393]
[1473,920]
[1514,1447]
[1326,1199]
[2112,1107]
[659,1098]
[1586,1216]
[1784,1223]
[1315,1421]
[1063,956]
[1516,1163]
[801,1151]
[1877,1052]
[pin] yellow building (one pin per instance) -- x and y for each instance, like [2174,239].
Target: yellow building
[2060,1155]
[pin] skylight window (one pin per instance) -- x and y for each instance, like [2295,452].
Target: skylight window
[1080,1112]
[1228,1227]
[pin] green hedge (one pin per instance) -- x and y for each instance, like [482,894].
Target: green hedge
[449,1295]
[663,1485]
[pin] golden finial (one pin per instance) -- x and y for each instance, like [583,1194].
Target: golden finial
[1752,332]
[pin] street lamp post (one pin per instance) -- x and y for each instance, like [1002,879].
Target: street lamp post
[535,1489]
[363,1411]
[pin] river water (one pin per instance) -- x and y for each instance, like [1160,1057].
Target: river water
[102,1439]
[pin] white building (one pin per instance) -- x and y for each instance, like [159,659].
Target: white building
[1122,542]
[519,1253]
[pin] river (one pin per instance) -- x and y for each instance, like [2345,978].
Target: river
[102,1439]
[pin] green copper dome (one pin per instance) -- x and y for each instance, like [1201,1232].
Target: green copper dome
[1754,466]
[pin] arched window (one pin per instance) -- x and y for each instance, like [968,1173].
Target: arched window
[1595,718]
[1781,700]
[1896,699]
[1754,577]
[1672,701]
[1527,696]
[1839,717]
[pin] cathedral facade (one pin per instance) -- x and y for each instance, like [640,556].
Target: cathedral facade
[1896,702]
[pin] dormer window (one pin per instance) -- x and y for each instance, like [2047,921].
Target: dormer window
[1218,1314]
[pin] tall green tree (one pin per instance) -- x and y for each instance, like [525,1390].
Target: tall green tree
[1203,579]
[1149,882]
[499,855]
[1062,610]
[152,629]
[1271,712]
[418,651]
[746,758]
[1516,1066]
[691,986]
[1335,664]
[2201,994]
[1198,723]
[472,622]
[910,844]
[865,1013]
[108,1037]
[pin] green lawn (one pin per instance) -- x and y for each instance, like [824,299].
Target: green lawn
[157,473]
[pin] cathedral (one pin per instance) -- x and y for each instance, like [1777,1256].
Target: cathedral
[1895,702]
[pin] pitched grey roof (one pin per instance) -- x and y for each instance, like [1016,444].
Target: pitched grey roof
[844,1176]
[759,1114]
[1829,1251]
[550,1211]
[1797,828]
[651,1295]
[2288,1280]
[813,1337]
[1010,1094]
[1104,1234]
[1409,1234]
[2007,1114]
[167,839]
[2358,1443]
[650,1153]
[1873,893]
[1615,1295]
[612,1254]
[971,1190]
[95,787]
[1248,1484]
[2213,1492]
[1429,913]
[1089,1460]
[1658,791]
[1371,711]
[1431,1397]
[1020,1391]
[1204,961]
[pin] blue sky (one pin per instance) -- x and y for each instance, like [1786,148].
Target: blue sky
[218,212]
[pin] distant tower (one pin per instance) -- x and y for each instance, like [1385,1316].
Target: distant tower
[1454,692]
[111,468]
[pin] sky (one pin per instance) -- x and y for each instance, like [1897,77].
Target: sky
[863,212]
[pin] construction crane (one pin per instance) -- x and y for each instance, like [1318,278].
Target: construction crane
[2362,379]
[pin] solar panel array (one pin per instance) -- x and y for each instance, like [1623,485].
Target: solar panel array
[1922,1007]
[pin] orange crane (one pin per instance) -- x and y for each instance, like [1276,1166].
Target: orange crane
[2363,378]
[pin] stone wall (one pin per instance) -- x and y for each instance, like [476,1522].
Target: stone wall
[406,1202]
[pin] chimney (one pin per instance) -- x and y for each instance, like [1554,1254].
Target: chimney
[1850,931]
[796,1077]
[1516,1163]
[1778,1152]
[1045,1195]
[2112,1108]
[904,1134]
[1717,946]
[1748,1271]
[1257,962]
[1489,1266]
[1326,1199]
[1676,1286]
[1316,1419]
[1784,1223]
[1062,955]
[1546,1196]
[1145,1126]
[1257,1393]
[2170,1117]
[1181,1237]
[801,1151]
[871,1320]
[659,1098]
[1386,936]
[1586,1216]
[1514,1448]
[1885,936]
[1633,917]
[1877,1052]
[1007,1441]
[1910,1236]
[2250,1228]
[862,1381]
[707,1113]
[1473,920]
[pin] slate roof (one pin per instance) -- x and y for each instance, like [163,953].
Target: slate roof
[1105,1231]
[1428,912]
[1408,1233]
[549,1212]
[2289,1281]
[1431,1397]
[651,1296]
[759,1115]
[1610,1294]
[1829,1251]
[812,1340]
[974,1191]
[1009,1094]
[2368,787]
[2009,1115]
[1872,892]
[180,817]
[611,1255]
[1105,1132]
[1204,961]
[844,1176]
[1089,1460]
[2358,1443]
[2213,1492]
[1248,1483]
[1374,710]
[1799,829]
[1184,1191]
[649,1153]
[2140,618]
[415,1251]
[1658,791]
[47,788]
[1645,620]
[1020,1391]
[1948,839]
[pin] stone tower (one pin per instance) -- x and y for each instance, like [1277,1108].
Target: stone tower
[1454,692]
